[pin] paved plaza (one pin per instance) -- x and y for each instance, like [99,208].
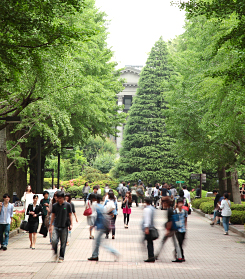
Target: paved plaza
[209,253]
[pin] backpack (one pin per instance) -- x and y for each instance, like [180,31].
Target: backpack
[140,192]
[124,191]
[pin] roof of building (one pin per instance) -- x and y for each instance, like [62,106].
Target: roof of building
[129,69]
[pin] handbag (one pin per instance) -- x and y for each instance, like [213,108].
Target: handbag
[154,233]
[88,211]
[24,225]
[218,213]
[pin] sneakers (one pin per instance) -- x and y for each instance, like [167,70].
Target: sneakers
[150,260]
[177,261]
[226,233]
[93,259]
[60,261]
[5,247]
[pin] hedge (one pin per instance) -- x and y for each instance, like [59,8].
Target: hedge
[238,217]
[197,202]
[207,207]
[17,217]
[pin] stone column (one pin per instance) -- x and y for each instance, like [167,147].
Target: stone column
[120,128]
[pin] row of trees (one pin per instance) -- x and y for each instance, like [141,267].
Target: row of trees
[190,101]
[56,73]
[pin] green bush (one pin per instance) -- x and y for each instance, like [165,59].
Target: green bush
[74,191]
[197,202]
[238,207]
[47,184]
[207,207]
[17,217]
[238,217]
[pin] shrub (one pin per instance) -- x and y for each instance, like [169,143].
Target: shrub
[74,191]
[197,202]
[238,217]
[207,207]
[238,207]
[17,217]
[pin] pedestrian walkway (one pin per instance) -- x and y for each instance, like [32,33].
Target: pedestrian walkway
[209,253]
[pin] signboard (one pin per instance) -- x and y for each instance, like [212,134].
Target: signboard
[197,176]
[180,182]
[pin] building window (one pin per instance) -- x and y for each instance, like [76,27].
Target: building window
[127,101]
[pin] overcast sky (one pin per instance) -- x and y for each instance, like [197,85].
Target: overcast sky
[135,25]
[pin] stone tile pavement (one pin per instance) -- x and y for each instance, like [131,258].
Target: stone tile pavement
[209,253]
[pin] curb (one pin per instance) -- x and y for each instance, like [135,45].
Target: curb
[233,229]
[14,232]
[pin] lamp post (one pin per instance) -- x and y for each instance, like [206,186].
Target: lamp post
[3,153]
[58,171]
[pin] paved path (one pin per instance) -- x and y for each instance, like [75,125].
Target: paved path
[209,253]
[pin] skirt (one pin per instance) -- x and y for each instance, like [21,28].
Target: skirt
[126,210]
[33,226]
[91,220]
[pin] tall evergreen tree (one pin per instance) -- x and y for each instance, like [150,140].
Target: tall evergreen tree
[146,153]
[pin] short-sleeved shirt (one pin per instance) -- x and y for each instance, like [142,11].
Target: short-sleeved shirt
[182,217]
[164,192]
[43,201]
[73,207]
[61,214]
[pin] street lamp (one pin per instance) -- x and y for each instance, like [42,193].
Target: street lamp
[58,174]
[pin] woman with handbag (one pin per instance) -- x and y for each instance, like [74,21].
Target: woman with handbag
[34,211]
[126,207]
[90,212]
[226,212]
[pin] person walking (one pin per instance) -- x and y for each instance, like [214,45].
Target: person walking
[49,209]
[62,218]
[34,211]
[226,212]
[27,192]
[68,199]
[134,194]
[170,230]
[101,225]
[180,233]
[216,207]
[187,193]
[6,215]
[124,190]
[148,223]
[45,204]
[140,191]
[126,207]
[91,203]
[86,190]
[114,213]
[156,194]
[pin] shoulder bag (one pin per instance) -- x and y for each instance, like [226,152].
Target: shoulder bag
[88,211]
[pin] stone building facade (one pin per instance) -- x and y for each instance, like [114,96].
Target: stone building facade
[131,74]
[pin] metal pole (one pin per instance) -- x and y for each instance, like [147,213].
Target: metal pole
[58,178]
[39,166]
[201,185]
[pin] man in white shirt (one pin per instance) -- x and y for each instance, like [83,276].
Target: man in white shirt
[148,214]
[186,193]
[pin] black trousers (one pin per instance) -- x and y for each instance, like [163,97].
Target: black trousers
[181,236]
[43,230]
[135,199]
[126,218]
[113,226]
[150,246]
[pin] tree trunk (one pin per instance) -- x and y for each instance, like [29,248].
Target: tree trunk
[33,170]
[222,180]
[3,163]
[236,197]
[229,186]
[17,177]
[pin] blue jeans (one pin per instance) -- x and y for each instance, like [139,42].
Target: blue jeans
[4,229]
[60,233]
[226,220]
[98,242]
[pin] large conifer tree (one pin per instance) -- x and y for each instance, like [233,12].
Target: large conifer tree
[146,153]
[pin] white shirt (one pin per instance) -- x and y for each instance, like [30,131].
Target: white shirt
[156,192]
[147,214]
[226,209]
[187,194]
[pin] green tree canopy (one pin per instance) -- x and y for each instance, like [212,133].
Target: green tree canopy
[147,152]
